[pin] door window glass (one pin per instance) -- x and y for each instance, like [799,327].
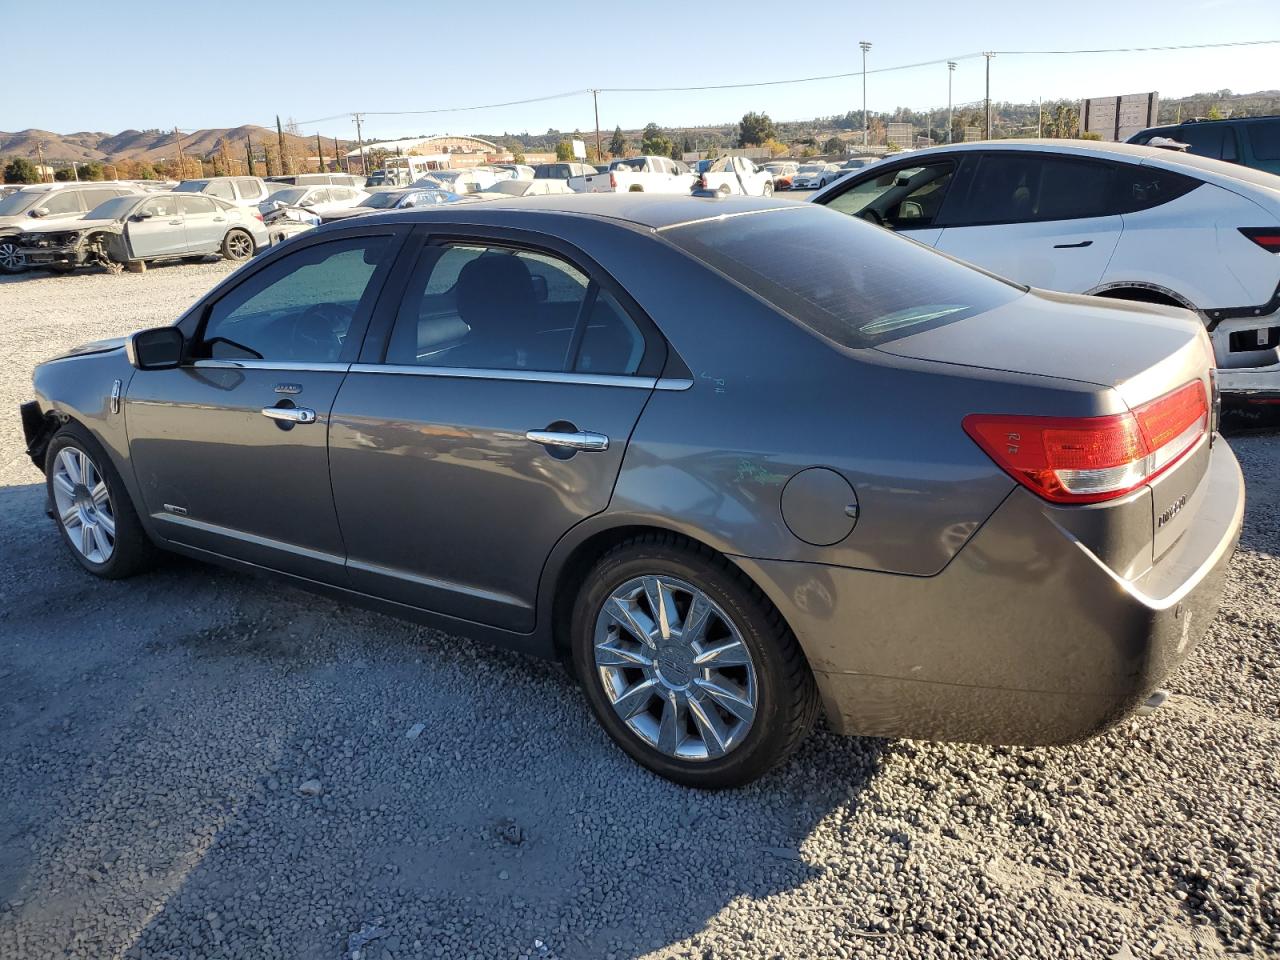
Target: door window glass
[94,197]
[61,201]
[904,198]
[301,308]
[1142,187]
[194,205]
[611,342]
[220,189]
[1024,187]
[1264,138]
[1208,140]
[249,189]
[160,207]
[488,307]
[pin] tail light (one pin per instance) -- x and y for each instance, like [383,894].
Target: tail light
[613,182]
[257,215]
[1091,459]
[1268,238]
[702,182]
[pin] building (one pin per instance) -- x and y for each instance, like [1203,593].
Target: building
[450,152]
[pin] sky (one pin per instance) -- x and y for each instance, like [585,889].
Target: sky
[324,58]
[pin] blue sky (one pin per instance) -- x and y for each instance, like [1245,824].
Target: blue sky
[334,58]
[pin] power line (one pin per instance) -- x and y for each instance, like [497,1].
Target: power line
[1185,46]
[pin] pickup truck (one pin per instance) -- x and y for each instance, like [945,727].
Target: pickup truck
[737,175]
[638,175]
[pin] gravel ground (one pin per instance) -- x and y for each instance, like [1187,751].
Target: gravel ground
[200,764]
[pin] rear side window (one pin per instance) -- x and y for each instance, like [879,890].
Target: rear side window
[853,283]
[195,206]
[249,189]
[1264,139]
[1027,187]
[1215,141]
[220,189]
[1141,188]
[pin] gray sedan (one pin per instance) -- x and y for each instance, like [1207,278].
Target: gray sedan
[142,228]
[739,462]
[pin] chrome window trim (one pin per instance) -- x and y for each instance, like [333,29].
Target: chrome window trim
[316,367]
[480,373]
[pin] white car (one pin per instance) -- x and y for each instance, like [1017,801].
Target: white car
[237,191]
[458,181]
[318,200]
[637,175]
[1110,219]
[815,176]
[736,175]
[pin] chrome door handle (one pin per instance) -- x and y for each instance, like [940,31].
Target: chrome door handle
[175,223]
[582,440]
[290,414]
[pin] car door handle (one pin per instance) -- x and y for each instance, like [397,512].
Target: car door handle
[175,223]
[579,440]
[1072,246]
[219,219]
[290,414]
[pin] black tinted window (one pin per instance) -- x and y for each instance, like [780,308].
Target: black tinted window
[301,308]
[851,282]
[1215,141]
[902,198]
[1024,187]
[611,342]
[1264,139]
[1140,188]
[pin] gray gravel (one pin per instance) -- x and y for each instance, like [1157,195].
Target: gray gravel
[199,764]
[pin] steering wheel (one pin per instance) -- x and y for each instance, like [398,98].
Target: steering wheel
[871,216]
[319,331]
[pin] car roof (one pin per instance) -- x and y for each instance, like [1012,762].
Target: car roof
[1206,121]
[647,211]
[69,184]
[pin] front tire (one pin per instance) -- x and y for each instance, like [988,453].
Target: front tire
[237,246]
[92,507]
[687,665]
[768,189]
[12,259]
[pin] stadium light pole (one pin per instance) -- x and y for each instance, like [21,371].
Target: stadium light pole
[865,47]
[988,55]
[951,69]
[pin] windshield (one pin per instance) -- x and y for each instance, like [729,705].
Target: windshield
[841,277]
[290,196]
[17,202]
[381,201]
[112,209]
[813,168]
[191,186]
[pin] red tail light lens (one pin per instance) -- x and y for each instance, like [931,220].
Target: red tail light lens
[1268,238]
[1090,459]
[613,182]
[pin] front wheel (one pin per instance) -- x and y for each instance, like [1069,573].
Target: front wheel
[687,665]
[12,259]
[768,189]
[237,246]
[92,508]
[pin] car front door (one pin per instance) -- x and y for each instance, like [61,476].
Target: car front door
[230,449]
[491,419]
[907,198]
[155,229]
[205,223]
[1041,219]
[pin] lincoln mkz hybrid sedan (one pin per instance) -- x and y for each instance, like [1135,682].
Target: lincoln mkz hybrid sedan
[737,461]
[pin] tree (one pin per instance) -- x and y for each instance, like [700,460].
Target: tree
[21,170]
[833,145]
[654,142]
[776,148]
[618,143]
[63,174]
[755,129]
[1214,113]
[564,150]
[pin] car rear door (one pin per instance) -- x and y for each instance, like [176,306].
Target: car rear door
[204,222]
[489,417]
[230,449]
[156,229]
[1038,218]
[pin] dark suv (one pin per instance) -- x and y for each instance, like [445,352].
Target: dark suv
[1250,141]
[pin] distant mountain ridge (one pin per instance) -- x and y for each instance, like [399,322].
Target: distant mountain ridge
[150,145]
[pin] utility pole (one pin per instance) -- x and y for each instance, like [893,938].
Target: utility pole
[320,154]
[364,169]
[40,158]
[951,70]
[1040,118]
[248,153]
[595,101]
[337,156]
[284,167]
[989,54]
[865,126]
[182,162]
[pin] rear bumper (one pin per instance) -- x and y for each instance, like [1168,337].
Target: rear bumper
[1026,637]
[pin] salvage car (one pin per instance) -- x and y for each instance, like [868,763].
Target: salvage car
[318,200]
[1112,219]
[648,436]
[736,175]
[238,191]
[139,229]
[392,200]
[815,176]
[37,206]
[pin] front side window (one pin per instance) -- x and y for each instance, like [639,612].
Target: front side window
[501,308]
[59,202]
[301,308]
[1028,187]
[903,198]
[158,207]
[220,189]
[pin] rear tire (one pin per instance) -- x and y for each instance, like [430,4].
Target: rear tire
[716,710]
[92,508]
[238,246]
[768,189]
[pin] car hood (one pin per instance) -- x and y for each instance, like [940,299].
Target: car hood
[66,226]
[1112,343]
[97,346]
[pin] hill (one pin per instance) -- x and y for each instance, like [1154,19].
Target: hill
[148,145]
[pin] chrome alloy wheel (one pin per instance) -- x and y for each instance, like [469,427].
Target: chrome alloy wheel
[12,259]
[84,505]
[675,668]
[240,246]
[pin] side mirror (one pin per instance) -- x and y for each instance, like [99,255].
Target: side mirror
[307,203]
[157,349]
[39,212]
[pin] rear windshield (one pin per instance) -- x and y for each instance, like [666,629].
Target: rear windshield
[851,282]
[191,186]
